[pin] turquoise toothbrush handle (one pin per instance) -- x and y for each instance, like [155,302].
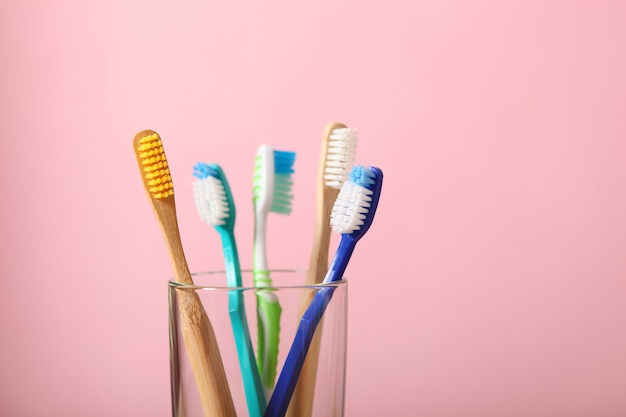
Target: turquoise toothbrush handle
[255,395]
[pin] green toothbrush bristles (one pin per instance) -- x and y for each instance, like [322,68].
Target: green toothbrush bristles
[283,181]
[283,186]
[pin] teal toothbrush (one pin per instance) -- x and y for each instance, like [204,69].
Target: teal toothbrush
[216,207]
[272,192]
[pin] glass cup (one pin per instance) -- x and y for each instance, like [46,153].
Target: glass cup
[320,388]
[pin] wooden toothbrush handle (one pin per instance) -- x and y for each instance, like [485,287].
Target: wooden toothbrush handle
[204,357]
[197,331]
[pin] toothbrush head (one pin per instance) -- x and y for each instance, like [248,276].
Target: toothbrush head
[273,183]
[356,204]
[339,158]
[214,201]
[153,165]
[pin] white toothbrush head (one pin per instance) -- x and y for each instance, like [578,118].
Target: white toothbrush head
[212,195]
[340,152]
[357,201]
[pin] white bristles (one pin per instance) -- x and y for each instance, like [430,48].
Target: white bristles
[351,207]
[339,156]
[211,201]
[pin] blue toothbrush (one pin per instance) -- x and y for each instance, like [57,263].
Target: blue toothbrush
[215,206]
[352,215]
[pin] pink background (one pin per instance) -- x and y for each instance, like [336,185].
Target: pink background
[493,281]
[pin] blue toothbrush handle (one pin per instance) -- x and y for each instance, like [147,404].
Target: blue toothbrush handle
[277,406]
[286,384]
[340,261]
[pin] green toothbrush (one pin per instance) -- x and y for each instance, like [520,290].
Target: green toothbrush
[272,191]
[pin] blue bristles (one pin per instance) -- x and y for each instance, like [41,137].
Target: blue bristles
[362,176]
[203,170]
[283,162]
[283,181]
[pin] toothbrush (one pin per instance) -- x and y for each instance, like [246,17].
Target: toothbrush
[216,207]
[336,160]
[198,334]
[272,189]
[351,216]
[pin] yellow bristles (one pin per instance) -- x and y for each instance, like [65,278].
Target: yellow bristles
[155,168]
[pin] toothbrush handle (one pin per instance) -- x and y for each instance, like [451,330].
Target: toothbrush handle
[255,396]
[306,337]
[268,315]
[301,404]
[259,250]
[340,260]
[204,356]
[277,406]
[268,308]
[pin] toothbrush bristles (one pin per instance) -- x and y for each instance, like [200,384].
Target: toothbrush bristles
[156,171]
[283,162]
[339,156]
[283,181]
[353,202]
[211,201]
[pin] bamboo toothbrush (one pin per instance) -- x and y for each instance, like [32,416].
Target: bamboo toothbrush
[352,216]
[272,188]
[336,160]
[216,207]
[198,334]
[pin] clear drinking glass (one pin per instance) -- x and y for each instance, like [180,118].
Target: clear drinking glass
[326,389]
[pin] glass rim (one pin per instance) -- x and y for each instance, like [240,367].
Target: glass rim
[179,285]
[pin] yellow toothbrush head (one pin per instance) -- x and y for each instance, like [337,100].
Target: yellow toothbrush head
[157,181]
[153,165]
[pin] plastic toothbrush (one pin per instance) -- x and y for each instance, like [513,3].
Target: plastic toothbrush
[272,191]
[215,206]
[351,216]
[336,160]
[198,335]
